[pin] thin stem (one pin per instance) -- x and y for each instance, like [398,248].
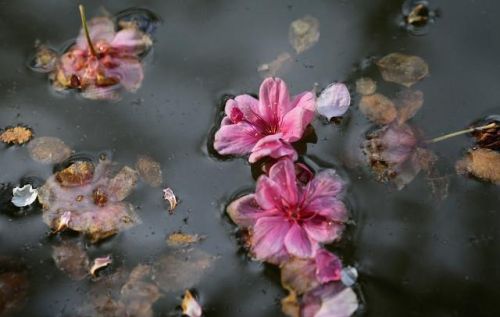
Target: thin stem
[86,30]
[457,133]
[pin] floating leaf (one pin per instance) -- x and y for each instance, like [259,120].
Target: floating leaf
[402,69]
[77,174]
[378,108]
[481,163]
[149,170]
[48,150]
[333,101]
[304,33]
[16,135]
[70,258]
[190,307]
[273,68]
[366,86]
[168,195]
[24,196]
[99,263]
[182,239]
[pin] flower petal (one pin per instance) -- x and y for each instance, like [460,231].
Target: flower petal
[272,146]
[283,174]
[322,229]
[235,139]
[328,266]
[297,242]
[274,99]
[245,211]
[300,115]
[100,29]
[268,194]
[132,41]
[269,236]
[249,107]
[129,73]
[341,304]
[333,101]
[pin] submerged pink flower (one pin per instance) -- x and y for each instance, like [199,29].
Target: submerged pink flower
[286,217]
[265,127]
[103,62]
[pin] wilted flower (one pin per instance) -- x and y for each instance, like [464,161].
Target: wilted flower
[265,127]
[286,217]
[102,60]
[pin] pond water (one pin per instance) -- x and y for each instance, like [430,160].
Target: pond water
[416,255]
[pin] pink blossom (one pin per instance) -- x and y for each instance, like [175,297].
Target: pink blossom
[329,300]
[265,127]
[115,64]
[286,217]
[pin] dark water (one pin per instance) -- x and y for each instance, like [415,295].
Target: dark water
[417,256]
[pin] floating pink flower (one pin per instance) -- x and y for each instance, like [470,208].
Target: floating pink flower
[265,127]
[286,217]
[102,60]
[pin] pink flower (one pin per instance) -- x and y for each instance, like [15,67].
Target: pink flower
[265,127]
[115,64]
[330,300]
[286,217]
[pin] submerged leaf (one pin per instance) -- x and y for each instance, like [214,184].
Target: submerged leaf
[366,86]
[48,150]
[71,259]
[333,101]
[190,307]
[149,170]
[16,135]
[378,108]
[304,33]
[24,196]
[481,163]
[402,69]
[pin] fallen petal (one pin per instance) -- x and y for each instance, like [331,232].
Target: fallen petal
[190,307]
[402,69]
[24,196]
[168,194]
[333,101]
[378,108]
[330,300]
[304,33]
[16,135]
[64,221]
[100,263]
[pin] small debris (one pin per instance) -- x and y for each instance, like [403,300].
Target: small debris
[24,196]
[417,16]
[16,135]
[149,170]
[378,108]
[100,263]
[304,33]
[402,69]
[190,307]
[48,150]
[349,276]
[481,163]
[275,67]
[366,86]
[71,259]
[64,221]
[181,239]
[333,101]
[168,194]
[44,59]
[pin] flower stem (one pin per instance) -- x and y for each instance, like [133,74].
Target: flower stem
[86,30]
[457,133]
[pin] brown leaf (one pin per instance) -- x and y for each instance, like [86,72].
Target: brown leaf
[488,138]
[366,86]
[16,135]
[402,69]
[304,33]
[182,239]
[71,258]
[77,174]
[481,163]
[409,103]
[149,170]
[168,195]
[299,275]
[378,108]
[48,150]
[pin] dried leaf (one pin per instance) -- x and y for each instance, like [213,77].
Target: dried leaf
[99,263]
[149,170]
[409,103]
[488,138]
[168,194]
[44,60]
[481,163]
[290,305]
[70,257]
[182,269]
[333,101]
[402,69]
[190,307]
[48,150]
[366,86]
[378,108]
[24,196]
[16,135]
[304,33]
[299,275]
[273,68]
[77,174]
[181,239]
